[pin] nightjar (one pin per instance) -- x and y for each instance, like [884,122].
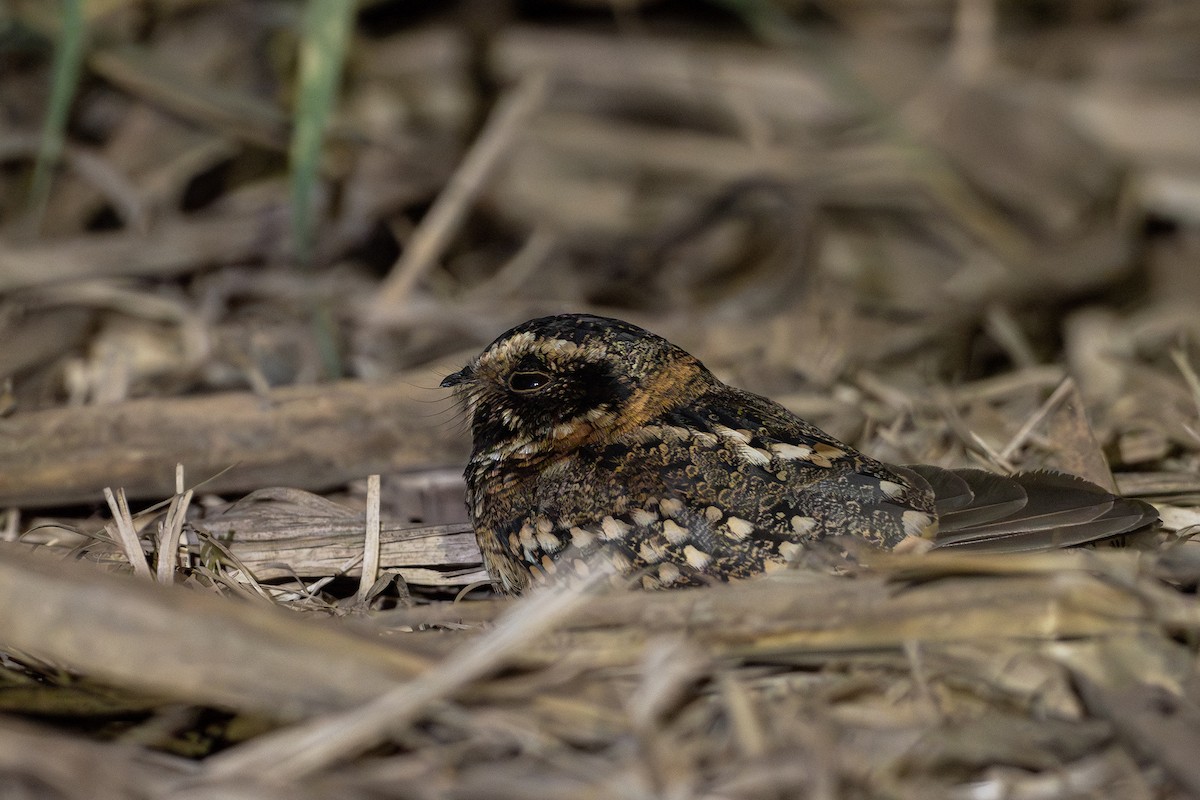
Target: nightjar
[596,439]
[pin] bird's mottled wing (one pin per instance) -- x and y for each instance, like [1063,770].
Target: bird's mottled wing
[729,488]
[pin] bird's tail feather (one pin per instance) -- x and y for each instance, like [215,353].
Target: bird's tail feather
[983,511]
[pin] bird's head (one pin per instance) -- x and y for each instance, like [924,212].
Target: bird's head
[556,383]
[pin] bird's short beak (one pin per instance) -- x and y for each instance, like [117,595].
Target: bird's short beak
[457,378]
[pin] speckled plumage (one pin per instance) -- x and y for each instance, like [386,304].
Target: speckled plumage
[595,439]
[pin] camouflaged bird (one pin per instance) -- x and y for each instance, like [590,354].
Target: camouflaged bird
[595,439]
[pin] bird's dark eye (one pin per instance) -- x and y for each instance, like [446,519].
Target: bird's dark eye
[527,381]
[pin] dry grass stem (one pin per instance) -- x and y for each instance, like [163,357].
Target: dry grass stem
[302,750]
[1027,428]
[171,535]
[370,558]
[124,533]
[431,236]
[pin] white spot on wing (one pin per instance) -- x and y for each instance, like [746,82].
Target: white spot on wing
[581,537]
[642,517]
[803,525]
[696,558]
[549,542]
[730,434]
[791,452]
[650,552]
[740,441]
[675,533]
[528,539]
[754,455]
[613,528]
[620,562]
[670,507]
[739,528]
[789,550]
